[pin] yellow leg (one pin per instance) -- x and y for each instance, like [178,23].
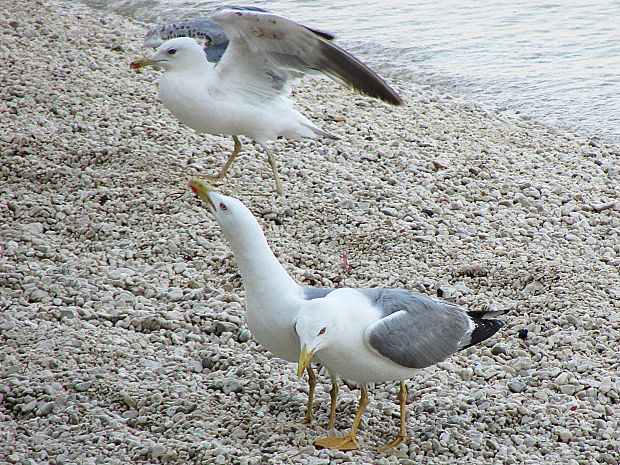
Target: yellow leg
[222,174]
[311,385]
[402,435]
[274,167]
[347,442]
[333,395]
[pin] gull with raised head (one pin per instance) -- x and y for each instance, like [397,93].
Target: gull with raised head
[272,297]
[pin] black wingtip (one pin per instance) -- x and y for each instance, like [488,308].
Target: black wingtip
[484,330]
[341,64]
[325,35]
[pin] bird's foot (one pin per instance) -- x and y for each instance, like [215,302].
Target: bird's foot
[306,420]
[338,442]
[331,426]
[393,443]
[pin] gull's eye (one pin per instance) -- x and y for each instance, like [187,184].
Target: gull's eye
[223,207]
[322,331]
[172,51]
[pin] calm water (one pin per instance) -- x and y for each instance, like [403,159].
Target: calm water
[555,61]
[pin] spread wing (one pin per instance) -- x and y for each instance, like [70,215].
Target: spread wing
[266,49]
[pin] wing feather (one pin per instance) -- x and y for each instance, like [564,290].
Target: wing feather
[264,43]
[416,331]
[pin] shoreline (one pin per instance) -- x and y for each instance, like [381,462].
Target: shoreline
[122,331]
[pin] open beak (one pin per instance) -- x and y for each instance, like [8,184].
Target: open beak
[142,62]
[202,190]
[304,360]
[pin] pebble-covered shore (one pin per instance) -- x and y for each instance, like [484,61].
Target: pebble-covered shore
[122,337]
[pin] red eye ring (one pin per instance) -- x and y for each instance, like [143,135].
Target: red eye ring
[322,331]
[223,207]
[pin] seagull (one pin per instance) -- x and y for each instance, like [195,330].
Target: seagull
[245,92]
[383,335]
[272,297]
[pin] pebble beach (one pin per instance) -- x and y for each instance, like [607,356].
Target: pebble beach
[122,334]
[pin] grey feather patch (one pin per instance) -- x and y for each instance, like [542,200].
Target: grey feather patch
[415,331]
[202,29]
[311,293]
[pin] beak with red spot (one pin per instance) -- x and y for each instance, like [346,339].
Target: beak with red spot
[202,191]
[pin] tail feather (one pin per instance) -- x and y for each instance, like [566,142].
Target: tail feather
[481,315]
[483,329]
[320,132]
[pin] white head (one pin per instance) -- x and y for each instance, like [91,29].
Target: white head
[316,326]
[174,54]
[234,218]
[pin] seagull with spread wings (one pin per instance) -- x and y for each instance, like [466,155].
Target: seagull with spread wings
[241,87]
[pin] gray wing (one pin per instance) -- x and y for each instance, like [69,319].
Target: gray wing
[311,293]
[416,331]
[202,29]
[265,48]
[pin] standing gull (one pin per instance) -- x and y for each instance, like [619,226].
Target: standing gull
[381,335]
[272,298]
[246,91]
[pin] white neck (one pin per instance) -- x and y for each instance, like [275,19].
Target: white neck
[263,276]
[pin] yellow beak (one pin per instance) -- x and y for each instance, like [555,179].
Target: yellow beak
[202,189]
[141,63]
[304,360]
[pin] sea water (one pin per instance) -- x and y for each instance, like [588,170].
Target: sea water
[554,61]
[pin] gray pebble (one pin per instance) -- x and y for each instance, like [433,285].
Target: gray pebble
[45,409]
[83,386]
[157,451]
[516,386]
[232,385]
[244,335]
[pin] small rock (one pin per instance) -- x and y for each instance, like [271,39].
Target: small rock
[232,385]
[68,313]
[175,295]
[45,409]
[195,366]
[129,414]
[83,386]
[207,363]
[522,334]
[129,401]
[499,349]
[7,325]
[29,407]
[154,364]
[244,335]
[157,451]
[492,444]
[151,323]
[428,408]
[224,327]
[467,374]
[38,295]
[516,386]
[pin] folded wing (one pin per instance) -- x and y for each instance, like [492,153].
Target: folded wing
[417,331]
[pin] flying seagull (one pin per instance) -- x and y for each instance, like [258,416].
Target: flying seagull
[380,335]
[245,91]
